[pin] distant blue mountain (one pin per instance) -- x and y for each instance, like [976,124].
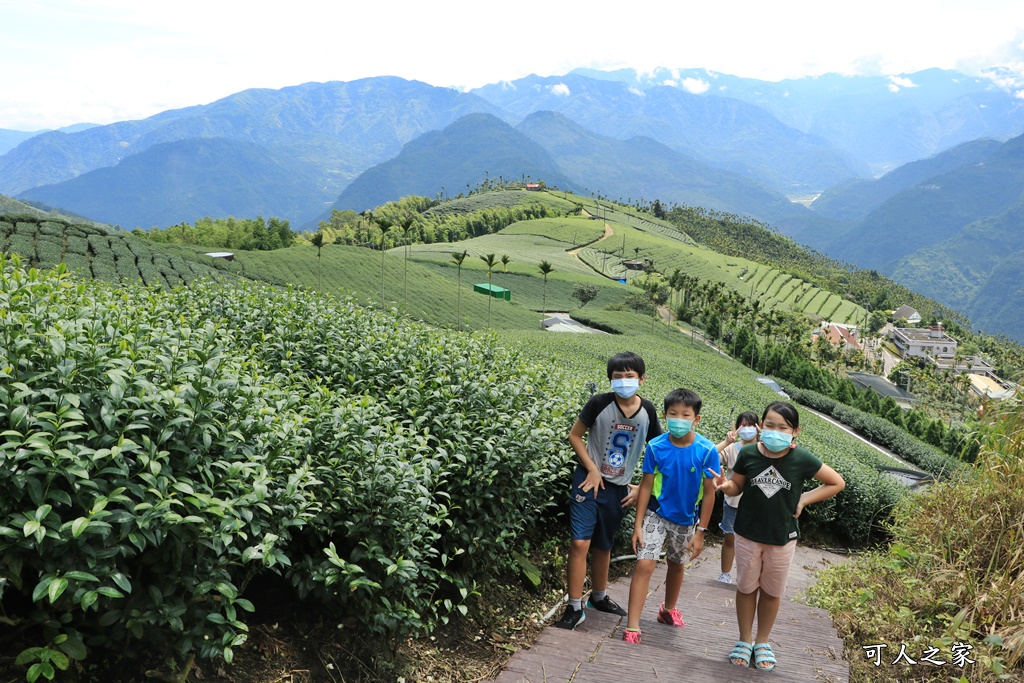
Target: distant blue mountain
[450,160]
[853,201]
[954,236]
[9,139]
[342,128]
[642,168]
[721,131]
[883,121]
[184,180]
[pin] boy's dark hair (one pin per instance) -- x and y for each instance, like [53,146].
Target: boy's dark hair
[747,417]
[786,411]
[625,361]
[686,397]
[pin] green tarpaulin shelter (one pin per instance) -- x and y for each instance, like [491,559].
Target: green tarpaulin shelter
[494,290]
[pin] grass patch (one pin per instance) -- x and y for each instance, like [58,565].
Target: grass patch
[951,582]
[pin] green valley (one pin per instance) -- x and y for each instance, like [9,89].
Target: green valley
[199,437]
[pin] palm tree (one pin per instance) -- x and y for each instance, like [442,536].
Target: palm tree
[384,224]
[505,260]
[457,258]
[736,309]
[491,262]
[318,241]
[545,269]
[406,225]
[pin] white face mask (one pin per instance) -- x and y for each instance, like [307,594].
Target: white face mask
[626,386]
[747,433]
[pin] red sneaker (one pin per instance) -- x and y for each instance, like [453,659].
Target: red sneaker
[672,617]
[631,637]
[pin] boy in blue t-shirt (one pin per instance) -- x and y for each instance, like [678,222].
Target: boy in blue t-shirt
[675,479]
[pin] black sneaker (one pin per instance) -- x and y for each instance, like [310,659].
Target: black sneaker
[606,604]
[571,618]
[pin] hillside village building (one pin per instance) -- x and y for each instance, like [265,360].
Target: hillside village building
[928,344]
[839,336]
[974,365]
[987,387]
[907,313]
[939,349]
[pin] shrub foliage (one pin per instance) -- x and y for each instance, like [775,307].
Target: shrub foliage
[880,430]
[953,577]
[160,448]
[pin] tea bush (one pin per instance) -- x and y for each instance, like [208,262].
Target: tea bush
[885,433]
[136,467]
[160,448]
[497,422]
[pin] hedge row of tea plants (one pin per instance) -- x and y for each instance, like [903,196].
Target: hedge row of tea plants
[882,432]
[103,255]
[160,449]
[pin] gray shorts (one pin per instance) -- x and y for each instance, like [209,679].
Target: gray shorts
[659,532]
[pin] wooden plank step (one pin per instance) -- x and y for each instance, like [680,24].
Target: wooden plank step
[803,638]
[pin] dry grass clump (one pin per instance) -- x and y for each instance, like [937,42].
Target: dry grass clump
[952,580]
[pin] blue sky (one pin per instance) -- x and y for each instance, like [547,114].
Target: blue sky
[100,61]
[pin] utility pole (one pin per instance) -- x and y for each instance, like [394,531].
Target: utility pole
[904,373]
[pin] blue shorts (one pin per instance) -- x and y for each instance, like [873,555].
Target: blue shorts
[596,520]
[728,519]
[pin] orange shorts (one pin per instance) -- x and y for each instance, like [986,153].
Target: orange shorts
[759,565]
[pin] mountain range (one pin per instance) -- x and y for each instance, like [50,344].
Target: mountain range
[949,227]
[344,128]
[883,121]
[723,131]
[742,146]
[250,180]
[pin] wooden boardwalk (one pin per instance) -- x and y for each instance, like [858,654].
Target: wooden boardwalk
[804,640]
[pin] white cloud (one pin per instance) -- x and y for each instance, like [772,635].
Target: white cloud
[697,86]
[119,59]
[637,91]
[1009,77]
[669,82]
[902,82]
[508,85]
[1019,94]
[893,87]
[560,89]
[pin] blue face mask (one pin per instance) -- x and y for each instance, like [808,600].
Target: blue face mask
[625,387]
[747,433]
[776,441]
[678,427]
